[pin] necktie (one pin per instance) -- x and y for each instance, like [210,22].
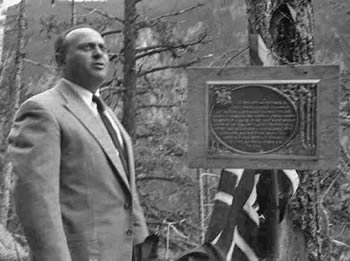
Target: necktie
[102,110]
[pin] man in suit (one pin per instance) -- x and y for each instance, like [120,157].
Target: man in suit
[75,195]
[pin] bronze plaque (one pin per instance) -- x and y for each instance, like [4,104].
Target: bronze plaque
[264,117]
[252,119]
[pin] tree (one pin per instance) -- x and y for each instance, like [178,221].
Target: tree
[157,153]
[2,24]
[10,82]
[285,29]
[10,86]
[134,57]
[129,68]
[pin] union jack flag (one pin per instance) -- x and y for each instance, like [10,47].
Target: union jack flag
[243,224]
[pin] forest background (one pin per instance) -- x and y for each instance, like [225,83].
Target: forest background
[169,190]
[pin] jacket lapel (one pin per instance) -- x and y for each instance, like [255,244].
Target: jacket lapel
[94,125]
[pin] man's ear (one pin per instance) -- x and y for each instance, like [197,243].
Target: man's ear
[60,58]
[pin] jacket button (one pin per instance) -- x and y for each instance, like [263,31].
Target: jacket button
[127,205]
[129,232]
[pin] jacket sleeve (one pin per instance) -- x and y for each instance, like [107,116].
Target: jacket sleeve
[140,226]
[34,147]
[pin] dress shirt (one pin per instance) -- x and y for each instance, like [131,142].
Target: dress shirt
[86,96]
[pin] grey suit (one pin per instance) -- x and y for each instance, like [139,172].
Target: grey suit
[73,196]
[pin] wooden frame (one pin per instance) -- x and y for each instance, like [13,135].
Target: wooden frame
[324,80]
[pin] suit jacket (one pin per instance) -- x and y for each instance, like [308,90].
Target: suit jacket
[73,196]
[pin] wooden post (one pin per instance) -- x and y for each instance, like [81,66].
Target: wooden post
[275,228]
[201,205]
[260,55]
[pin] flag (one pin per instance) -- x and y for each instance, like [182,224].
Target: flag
[148,249]
[235,220]
[244,222]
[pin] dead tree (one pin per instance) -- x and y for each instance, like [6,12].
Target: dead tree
[282,33]
[10,82]
[132,54]
[129,68]
[3,13]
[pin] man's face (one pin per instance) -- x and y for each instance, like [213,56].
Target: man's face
[85,60]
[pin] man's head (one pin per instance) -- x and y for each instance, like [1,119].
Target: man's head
[82,55]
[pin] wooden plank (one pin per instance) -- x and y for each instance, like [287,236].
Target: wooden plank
[254,49]
[259,53]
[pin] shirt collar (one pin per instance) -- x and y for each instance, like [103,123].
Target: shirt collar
[83,93]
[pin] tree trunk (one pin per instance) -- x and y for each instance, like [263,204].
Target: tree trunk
[10,82]
[129,70]
[2,28]
[281,32]
[73,19]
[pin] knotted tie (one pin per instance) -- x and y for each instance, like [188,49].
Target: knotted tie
[102,110]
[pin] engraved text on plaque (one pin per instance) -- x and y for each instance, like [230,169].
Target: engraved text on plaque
[253,119]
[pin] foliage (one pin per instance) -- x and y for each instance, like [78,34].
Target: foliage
[164,181]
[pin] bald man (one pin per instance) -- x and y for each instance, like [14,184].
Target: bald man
[76,195]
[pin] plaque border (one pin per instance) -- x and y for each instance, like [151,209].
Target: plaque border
[247,86]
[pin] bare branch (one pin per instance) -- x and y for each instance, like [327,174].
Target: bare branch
[113,56]
[143,90]
[139,178]
[104,14]
[230,59]
[39,64]
[109,32]
[235,55]
[344,226]
[155,49]
[339,243]
[153,21]
[330,186]
[188,244]
[87,14]
[161,68]
[221,57]
[178,12]
[145,106]
[144,136]
[342,44]
[116,89]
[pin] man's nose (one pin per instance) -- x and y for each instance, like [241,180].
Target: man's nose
[98,52]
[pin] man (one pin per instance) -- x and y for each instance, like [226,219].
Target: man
[75,194]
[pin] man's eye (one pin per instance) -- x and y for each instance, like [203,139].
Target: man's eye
[86,47]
